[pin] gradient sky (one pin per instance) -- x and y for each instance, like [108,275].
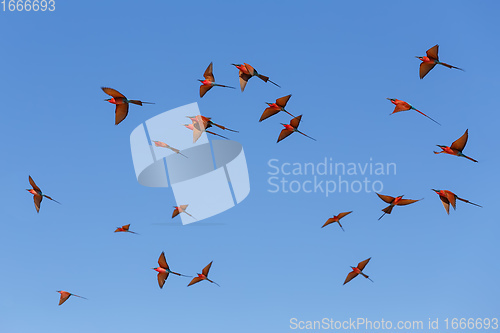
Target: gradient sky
[340,61]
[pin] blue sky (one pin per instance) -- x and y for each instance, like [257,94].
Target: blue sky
[340,61]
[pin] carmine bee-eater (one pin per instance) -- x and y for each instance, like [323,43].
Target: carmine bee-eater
[37,194]
[198,131]
[456,147]
[209,81]
[291,128]
[203,276]
[274,108]
[163,270]
[336,219]
[125,229]
[358,270]
[394,201]
[246,73]
[431,60]
[65,295]
[206,122]
[180,209]
[121,103]
[164,145]
[403,106]
[448,197]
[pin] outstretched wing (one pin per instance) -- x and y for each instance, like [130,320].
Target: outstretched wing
[350,276]
[401,107]
[341,215]
[162,277]
[269,112]
[329,221]
[112,92]
[451,198]
[362,264]
[32,183]
[386,198]
[432,53]
[206,269]
[38,200]
[446,204]
[284,133]
[194,280]
[126,227]
[209,73]
[64,297]
[295,121]
[283,100]
[244,79]
[203,89]
[404,202]
[425,68]
[162,261]
[121,112]
[461,142]
[175,213]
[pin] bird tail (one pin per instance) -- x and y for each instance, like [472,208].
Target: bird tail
[224,128]
[217,134]
[426,116]
[306,135]
[136,102]
[386,210]
[450,66]
[366,276]
[263,77]
[467,201]
[470,158]
[341,226]
[221,85]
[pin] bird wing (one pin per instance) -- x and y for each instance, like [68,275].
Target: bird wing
[162,261]
[32,183]
[112,92]
[461,142]
[175,213]
[206,269]
[404,202]
[126,227]
[121,112]
[432,53]
[425,68]
[386,198]
[162,277]
[446,203]
[269,112]
[341,215]
[451,198]
[362,264]
[284,133]
[295,121]
[209,73]
[283,100]
[194,280]
[250,69]
[203,89]
[64,297]
[244,79]
[196,133]
[37,199]
[401,107]
[329,221]
[350,276]
[183,207]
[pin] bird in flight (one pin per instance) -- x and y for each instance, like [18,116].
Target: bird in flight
[209,81]
[203,276]
[456,147]
[291,128]
[125,229]
[198,130]
[164,270]
[246,73]
[448,197]
[206,122]
[37,194]
[394,201]
[403,106]
[431,60]
[358,270]
[275,108]
[180,209]
[164,145]
[121,103]
[336,219]
[65,295]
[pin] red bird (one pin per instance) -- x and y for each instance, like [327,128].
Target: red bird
[164,270]
[180,209]
[125,229]
[209,81]
[202,276]
[431,60]
[457,147]
[65,295]
[121,102]
[336,219]
[246,73]
[291,128]
[448,197]
[403,106]
[37,194]
[397,201]
[274,108]
[358,270]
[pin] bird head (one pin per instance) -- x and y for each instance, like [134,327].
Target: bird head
[237,65]
[440,146]
[391,99]
[421,58]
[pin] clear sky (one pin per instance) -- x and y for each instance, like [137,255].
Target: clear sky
[340,61]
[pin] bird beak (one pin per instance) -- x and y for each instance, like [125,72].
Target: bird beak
[200,80]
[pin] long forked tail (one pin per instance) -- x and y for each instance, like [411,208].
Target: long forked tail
[470,158]
[306,135]
[263,77]
[366,276]
[467,201]
[217,134]
[450,66]
[386,210]
[221,85]
[426,116]
[137,102]
[289,113]
[224,128]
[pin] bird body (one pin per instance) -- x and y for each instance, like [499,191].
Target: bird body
[121,102]
[164,270]
[336,219]
[449,198]
[37,194]
[247,72]
[430,60]
[276,107]
[358,270]
[456,147]
[209,81]
[203,276]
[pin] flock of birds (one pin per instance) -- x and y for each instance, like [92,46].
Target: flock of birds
[200,124]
